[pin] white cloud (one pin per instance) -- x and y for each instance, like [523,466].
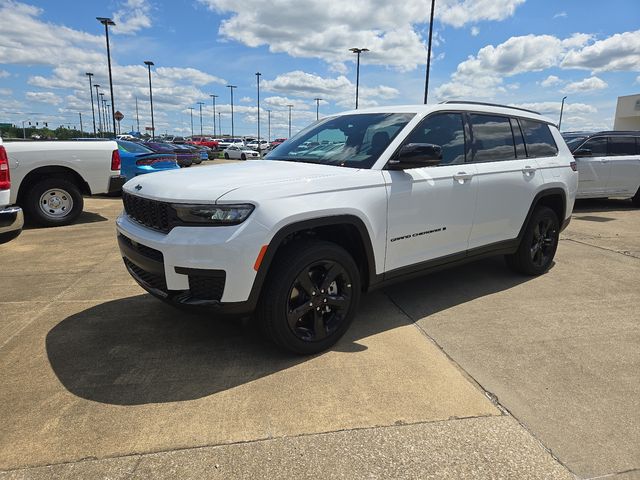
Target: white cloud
[132,16]
[475,31]
[6,92]
[326,30]
[586,85]
[44,97]
[4,74]
[638,79]
[553,108]
[560,15]
[620,52]
[550,81]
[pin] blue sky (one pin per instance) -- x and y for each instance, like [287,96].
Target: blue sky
[520,52]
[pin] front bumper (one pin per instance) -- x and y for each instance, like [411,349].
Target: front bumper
[115,183]
[192,266]
[11,223]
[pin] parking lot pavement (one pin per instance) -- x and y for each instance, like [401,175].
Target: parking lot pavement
[101,380]
[560,352]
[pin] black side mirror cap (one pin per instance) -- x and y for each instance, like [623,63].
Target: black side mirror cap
[582,152]
[416,155]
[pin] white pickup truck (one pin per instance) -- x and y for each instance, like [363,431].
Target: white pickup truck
[49,178]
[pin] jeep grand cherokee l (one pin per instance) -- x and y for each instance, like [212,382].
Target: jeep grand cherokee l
[299,236]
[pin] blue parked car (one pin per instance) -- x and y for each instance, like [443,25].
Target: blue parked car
[136,159]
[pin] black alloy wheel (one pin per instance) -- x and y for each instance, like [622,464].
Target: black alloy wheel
[543,242]
[538,244]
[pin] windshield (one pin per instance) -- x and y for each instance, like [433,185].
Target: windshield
[347,140]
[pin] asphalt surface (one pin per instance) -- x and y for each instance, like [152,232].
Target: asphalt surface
[471,373]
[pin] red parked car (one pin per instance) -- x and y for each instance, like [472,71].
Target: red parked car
[278,141]
[205,141]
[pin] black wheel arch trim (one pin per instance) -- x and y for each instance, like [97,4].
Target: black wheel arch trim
[536,200]
[303,225]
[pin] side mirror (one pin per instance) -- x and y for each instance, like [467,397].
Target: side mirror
[416,155]
[582,152]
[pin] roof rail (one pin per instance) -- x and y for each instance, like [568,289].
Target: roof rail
[490,105]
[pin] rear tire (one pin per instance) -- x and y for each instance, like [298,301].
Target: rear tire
[53,202]
[226,156]
[538,245]
[310,297]
[243,156]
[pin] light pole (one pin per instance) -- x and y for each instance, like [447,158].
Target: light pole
[107,105]
[317,108]
[258,74]
[191,111]
[358,51]
[561,110]
[149,64]
[220,123]
[213,102]
[200,103]
[93,112]
[290,107]
[137,116]
[106,22]
[104,114]
[231,87]
[269,120]
[426,81]
[99,109]
[80,115]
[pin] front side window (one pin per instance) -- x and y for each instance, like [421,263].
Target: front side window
[538,138]
[597,145]
[492,137]
[347,140]
[445,130]
[622,146]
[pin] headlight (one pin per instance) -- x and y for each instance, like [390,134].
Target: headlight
[213,214]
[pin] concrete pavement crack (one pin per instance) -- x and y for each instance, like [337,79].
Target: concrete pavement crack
[626,254]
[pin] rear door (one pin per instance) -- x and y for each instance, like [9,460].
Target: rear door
[430,209]
[624,161]
[594,168]
[508,178]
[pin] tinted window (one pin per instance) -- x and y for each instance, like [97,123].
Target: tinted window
[540,142]
[132,147]
[597,145]
[622,146]
[492,138]
[444,129]
[518,138]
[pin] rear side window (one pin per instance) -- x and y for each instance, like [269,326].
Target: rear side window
[493,139]
[446,130]
[540,142]
[622,146]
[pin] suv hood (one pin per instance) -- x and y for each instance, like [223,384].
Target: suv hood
[208,184]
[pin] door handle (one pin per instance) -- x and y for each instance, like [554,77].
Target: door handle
[528,170]
[461,177]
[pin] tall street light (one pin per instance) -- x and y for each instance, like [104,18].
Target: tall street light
[80,115]
[426,81]
[149,64]
[191,111]
[561,110]
[358,51]
[96,86]
[213,102]
[269,120]
[258,74]
[290,107]
[106,22]
[93,112]
[104,116]
[231,87]
[220,123]
[317,108]
[137,116]
[200,103]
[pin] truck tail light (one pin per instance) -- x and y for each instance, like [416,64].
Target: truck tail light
[574,166]
[115,160]
[5,178]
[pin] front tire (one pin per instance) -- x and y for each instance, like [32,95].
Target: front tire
[311,296]
[54,202]
[243,156]
[226,156]
[538,245]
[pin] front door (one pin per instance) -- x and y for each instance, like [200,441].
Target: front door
[593,169]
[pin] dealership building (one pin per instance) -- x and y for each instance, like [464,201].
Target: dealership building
[627,113]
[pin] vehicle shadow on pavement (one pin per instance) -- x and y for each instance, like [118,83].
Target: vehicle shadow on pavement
[602,205]
[138,350]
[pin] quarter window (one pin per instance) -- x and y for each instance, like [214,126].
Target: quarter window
[445,130]
[540,142]
[492,137]
[622,146]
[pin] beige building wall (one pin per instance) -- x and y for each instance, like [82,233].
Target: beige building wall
[627,113]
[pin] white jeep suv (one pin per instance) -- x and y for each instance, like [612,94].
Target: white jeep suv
[299,236]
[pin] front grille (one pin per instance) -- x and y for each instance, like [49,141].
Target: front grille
[150,213]
[148,252]
[156,281]
[208,287]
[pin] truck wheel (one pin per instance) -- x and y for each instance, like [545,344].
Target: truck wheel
[538,245]
[226,156]
[310,297]
[54,202]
